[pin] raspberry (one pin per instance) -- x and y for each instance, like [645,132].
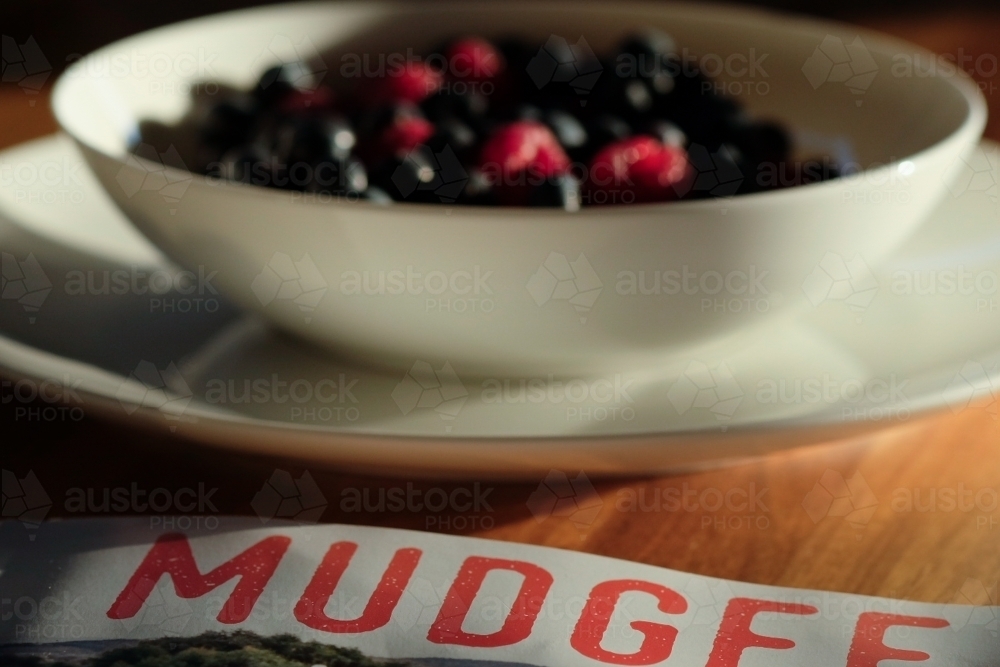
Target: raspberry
[298,102]
[639,169]
[517,147]
[474,59]
[407,134]
[520,155]
[416,81]
[401,137]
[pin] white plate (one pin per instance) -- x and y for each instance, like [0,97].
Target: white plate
[871,352]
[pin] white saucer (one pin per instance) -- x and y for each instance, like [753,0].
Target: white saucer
[870,353]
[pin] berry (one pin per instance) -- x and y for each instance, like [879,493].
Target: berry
[478,191]
[759,141]
[513,84]
[301,102]
[455,134]
[721,172]
[666,132]
[371,123]
[568,130]
[518,152]
[639,169]
[651,50]
[422,176]
[376,195]
[469,107]
[229,123]
[526,112]
[601,131]
[414,83]
[244,164]
[636,98]
[524,145]
[307,140]
[403,136]
[338,177]
[338,136]
[280,80]
[562,191]
[474,59]
[498,123]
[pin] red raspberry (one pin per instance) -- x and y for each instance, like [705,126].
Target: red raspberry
[474,59]
[416,81]
[405,134]
[524,145]
[299,102]
[637,170]
[519,156]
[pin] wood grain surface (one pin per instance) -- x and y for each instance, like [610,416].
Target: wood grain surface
[793,533]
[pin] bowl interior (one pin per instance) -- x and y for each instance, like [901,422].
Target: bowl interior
[865,108]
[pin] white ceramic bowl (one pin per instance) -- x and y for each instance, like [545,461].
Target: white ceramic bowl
[557,292]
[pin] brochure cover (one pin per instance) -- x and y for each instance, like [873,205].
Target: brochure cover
[122,592]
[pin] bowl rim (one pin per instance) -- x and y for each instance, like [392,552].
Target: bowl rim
[976,112]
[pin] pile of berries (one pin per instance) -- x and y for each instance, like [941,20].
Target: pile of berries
[502,124]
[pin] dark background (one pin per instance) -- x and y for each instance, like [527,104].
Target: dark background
[65,28]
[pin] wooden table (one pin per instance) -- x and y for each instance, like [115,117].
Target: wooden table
[934,556]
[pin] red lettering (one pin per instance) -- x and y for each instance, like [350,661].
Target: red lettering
[658,639]
[447,627]
[735,634]
[171,554]
[310,609]
[868,646]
